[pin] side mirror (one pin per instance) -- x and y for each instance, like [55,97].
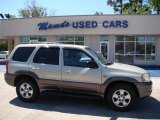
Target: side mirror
[92,64]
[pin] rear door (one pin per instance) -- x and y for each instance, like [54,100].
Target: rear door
[46,65]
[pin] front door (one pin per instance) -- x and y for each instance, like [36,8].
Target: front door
[104,49]
[75,73]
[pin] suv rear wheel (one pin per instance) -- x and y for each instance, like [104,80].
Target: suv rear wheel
[27,90]
[121,97]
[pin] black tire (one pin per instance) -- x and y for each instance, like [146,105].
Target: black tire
[32,91]
[118,101]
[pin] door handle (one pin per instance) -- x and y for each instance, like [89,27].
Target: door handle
[68,71]
[35,68]
[104,76]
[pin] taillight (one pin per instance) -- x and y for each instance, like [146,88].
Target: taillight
[7,62]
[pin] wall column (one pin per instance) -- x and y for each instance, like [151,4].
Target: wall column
[157,51]
[111,45]
[10,45]
[93,42]
[16,41]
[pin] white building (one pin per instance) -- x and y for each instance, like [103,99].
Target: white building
[133,39]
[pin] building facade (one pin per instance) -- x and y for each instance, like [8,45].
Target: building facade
[132,39]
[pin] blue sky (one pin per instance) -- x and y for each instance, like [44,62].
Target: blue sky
[61,7]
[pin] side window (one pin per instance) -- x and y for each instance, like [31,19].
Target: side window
[77,58]
[22,54]
[47,56]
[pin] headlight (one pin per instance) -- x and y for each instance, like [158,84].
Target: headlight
[145,77]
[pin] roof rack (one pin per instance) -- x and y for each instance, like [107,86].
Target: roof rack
[49,43]
[46,43]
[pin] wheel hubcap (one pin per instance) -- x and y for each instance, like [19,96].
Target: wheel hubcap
[121,98]
[26,90]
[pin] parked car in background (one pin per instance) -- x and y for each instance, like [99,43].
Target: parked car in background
[4,54]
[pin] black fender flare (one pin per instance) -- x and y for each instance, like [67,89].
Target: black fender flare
[26,73]
[117,79]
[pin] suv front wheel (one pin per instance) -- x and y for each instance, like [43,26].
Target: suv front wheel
[27,90]
[121,97]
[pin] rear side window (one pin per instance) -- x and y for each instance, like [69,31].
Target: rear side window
[22,54]
[47,56]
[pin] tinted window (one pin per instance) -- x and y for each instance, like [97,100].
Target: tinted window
[22,54]
[75,58]
[47,56]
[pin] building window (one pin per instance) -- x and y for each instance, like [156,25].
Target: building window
[79,40]
[145,48]
[42,39]
[24,40]
[134,48]
[103,38]
[32,39]
[75,40]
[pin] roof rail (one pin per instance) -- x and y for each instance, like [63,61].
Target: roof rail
[43,43]
[46,43]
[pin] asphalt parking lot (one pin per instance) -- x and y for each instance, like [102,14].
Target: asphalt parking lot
[58,107]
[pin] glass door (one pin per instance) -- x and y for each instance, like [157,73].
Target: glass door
[104,49]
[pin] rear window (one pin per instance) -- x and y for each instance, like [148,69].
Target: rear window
[22,54]
[47,56]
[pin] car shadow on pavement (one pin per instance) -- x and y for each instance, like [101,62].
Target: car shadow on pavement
[145,109]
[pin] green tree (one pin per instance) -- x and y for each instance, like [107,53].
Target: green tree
[129,6]
[32,10]
[25,13]
[12,16]
[136,7]
[116,4]
[155,5]
[3,45]
[98,13]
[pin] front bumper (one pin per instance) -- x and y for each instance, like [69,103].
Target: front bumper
[144,88]
[9,78]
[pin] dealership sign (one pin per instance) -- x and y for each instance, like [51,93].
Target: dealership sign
[84,24]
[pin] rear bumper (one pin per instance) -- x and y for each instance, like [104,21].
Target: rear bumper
[9,78]
[144,89]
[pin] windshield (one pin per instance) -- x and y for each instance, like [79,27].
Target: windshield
[99,57]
